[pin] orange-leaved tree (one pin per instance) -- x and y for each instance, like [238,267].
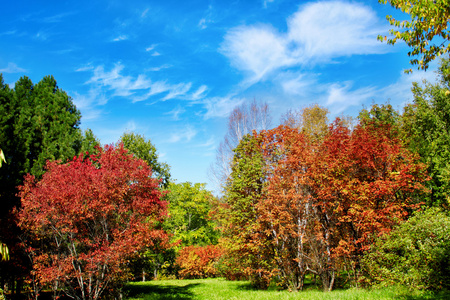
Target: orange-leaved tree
[85,219]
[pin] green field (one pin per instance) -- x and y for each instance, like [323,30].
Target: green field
[218,289]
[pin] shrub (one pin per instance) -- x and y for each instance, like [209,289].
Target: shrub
[415,254]
[198,261]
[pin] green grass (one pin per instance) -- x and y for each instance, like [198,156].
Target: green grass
[217,289]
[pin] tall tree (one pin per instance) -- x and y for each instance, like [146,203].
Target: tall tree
[426,33]
[238,214]
[242,121]
[426,126]
[85,219]
[144,149]
[38,123]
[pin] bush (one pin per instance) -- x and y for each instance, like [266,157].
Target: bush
[199,262]
[415,254]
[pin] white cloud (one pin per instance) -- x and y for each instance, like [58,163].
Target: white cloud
[341,96]
[84,68]
[186,134]
[156,69]
[89,104]
[324,30]
[177,90]
[176,112]
[317,32]
[199,93]
[139,88]
[121,85]
[220,106]
[256,49]
[12,68]
[150,48]
[120,38]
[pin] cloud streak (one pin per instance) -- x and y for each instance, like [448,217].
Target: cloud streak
[12,68]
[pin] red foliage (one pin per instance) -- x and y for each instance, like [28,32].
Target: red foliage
[198,261]
[84,219]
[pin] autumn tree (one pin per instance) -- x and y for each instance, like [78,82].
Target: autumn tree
[286,213]
[426,32]
[86,218]
[242,121]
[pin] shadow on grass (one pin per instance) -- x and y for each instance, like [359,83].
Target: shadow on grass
[160,292]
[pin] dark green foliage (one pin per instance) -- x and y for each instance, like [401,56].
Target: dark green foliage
[427,132]
[145,150]
[37,123]
[415,254]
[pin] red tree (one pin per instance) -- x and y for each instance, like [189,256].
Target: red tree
[86,218]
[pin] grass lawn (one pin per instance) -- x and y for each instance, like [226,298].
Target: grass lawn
[215,289]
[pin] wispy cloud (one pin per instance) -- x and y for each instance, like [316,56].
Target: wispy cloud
[156,69]
[318,32]
[220,106]
[186,134]
[89,104]
[57,18]
[341,96]
[120,38]
[140,87]
[207,19]
[12,68]
[176,112]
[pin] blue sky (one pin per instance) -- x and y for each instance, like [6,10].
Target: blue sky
[173,70]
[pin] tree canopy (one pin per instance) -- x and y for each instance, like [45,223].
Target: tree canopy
[85,219]
[38,122]
[145,150]
[426,33]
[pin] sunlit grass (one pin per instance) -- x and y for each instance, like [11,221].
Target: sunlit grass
[218,289]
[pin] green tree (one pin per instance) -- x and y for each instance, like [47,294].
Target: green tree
[239,216]
[426,33]
[189,209]
[144,149]
[426,127]
[38,123]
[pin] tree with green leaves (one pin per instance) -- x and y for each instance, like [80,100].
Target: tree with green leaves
[189,220]
[239,217]
[39,122]
[426,33]
[426,127]
[144,149]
